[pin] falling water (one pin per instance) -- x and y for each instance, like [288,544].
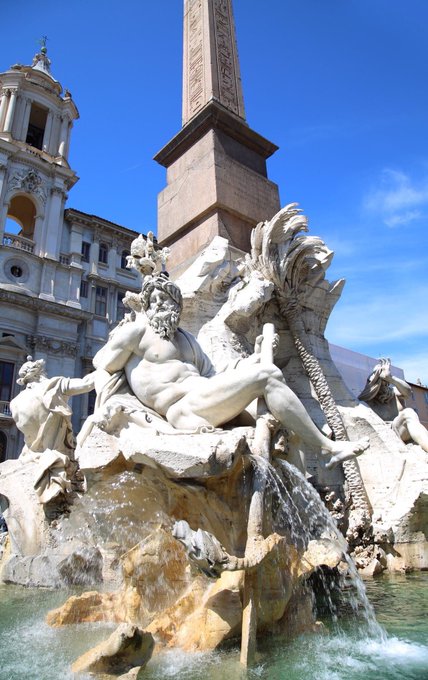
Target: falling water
[300,510]
[30,650]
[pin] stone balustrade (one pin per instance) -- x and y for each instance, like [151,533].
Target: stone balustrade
[19,242]
[5,409]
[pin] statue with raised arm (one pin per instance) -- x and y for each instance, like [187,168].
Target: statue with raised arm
[42,413]
[386,394]
[165,370]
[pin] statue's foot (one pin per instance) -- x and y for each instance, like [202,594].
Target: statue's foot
[346,451]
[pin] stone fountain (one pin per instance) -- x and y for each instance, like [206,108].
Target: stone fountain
[164,508]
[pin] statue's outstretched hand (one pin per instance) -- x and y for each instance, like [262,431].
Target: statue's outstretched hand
[385,369]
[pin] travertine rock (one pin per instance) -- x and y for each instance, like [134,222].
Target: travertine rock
[89,607]
[127,647]
[24,515]
[192,456]
[395,476]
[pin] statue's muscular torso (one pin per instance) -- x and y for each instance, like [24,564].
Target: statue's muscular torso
[160,371]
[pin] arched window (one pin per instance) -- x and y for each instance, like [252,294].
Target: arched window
[103,253]
[21,217]
[123,258]
[36,126]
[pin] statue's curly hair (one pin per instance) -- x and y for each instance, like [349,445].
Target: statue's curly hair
[30,369]
[160,282]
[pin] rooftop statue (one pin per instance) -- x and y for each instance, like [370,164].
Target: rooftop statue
[387,395]
[164,369]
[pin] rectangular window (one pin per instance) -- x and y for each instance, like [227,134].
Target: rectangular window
[86,251]
[120,307]
[83,289]
[103,253]
[91,402]
[124,259]
[100,301]
[6,380]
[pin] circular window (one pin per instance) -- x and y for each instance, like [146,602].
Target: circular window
[16,271]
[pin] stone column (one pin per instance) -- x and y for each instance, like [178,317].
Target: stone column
[63,137]
[47,281]
[47,135]
[67,145]
[95,250]
[25,119]
[10,111]
[54,141]
[53,227]
[3,106]
[74,286]
[38,235]
[4,212]
[76,244]
[112,257]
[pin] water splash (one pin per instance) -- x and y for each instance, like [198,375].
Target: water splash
[299,510]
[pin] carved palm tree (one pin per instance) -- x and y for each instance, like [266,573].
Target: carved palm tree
[296,265]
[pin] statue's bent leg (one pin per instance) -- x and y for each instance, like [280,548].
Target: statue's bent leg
[408,426]
[289,410]
[217,400]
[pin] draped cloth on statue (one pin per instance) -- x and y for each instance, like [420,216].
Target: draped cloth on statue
[46,403]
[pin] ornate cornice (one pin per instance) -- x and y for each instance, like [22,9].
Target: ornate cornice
[38,305]
[102,225]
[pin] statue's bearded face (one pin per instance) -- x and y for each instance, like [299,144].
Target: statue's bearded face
[163,314]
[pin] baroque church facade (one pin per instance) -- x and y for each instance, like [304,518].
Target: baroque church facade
[62,272]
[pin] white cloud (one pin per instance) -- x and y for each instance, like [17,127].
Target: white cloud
[405,218]
[397,198]
[379,318]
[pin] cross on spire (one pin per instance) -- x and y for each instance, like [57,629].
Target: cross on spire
[42,42]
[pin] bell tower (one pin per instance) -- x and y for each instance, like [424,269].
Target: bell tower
[217,180]
[35,126]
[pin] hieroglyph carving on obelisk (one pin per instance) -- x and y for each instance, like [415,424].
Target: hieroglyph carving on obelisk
[210,59]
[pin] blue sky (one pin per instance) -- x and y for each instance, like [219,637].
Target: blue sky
[339,85]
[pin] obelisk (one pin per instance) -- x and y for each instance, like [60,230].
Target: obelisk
[216,165]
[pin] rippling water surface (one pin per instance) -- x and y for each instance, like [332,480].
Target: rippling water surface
[29,649]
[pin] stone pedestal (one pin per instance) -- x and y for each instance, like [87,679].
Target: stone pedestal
[217,185]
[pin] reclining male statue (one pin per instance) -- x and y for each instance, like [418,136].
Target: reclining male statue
[168,372]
